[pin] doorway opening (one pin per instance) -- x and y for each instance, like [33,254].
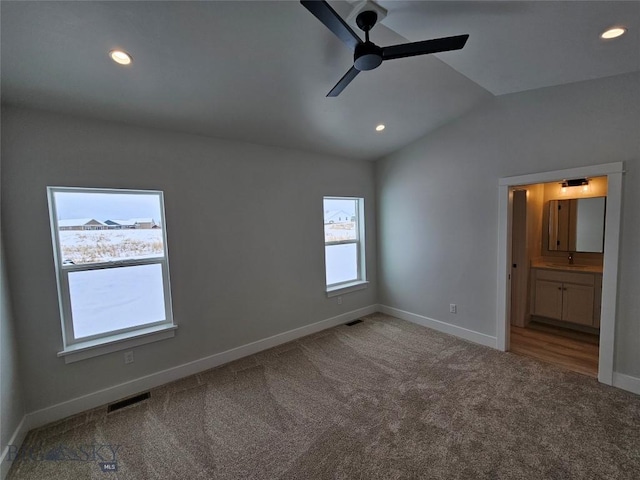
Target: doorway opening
[557,250]
[561,300]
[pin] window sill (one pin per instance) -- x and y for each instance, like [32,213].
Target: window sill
[346,288]
[114,343]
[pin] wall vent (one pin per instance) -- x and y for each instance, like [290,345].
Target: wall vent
[128,401]
[355,322]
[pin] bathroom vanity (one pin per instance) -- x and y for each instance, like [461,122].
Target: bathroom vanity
[560,290]
[567,293]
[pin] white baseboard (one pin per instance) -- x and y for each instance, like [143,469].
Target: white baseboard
[16,440]
[111,394]
[626,382]
[471,335]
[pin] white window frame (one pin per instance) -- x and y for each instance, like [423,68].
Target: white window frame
[75,349]
[361,281]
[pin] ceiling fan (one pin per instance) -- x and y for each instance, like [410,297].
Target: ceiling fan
[367,55]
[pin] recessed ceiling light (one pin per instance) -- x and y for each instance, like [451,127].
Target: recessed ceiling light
[380,127]
[613,32]
[118,56]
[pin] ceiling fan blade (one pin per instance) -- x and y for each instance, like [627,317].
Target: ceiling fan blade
[328,16]
[344,81]
[422,48]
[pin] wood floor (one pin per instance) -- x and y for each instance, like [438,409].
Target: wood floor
[576,351]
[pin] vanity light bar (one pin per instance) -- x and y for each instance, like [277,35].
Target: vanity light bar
[576,182]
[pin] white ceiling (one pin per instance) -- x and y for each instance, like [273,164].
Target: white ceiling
[516,46]
[259,71]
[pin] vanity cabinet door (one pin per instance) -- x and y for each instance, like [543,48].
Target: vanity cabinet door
[568,296]
[577,305]
[548,299]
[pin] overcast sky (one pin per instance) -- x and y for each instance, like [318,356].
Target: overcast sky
[348,206]
[107,206]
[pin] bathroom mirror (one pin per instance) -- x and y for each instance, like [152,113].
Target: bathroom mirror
[577,225]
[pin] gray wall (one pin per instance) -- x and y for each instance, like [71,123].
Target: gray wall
[438,199]
[245,239]
[11,405]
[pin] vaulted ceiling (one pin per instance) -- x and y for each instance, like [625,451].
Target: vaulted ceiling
[259,71]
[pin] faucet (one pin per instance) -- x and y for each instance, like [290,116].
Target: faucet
[570,258]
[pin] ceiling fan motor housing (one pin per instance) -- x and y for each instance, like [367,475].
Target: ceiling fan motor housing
[367,56]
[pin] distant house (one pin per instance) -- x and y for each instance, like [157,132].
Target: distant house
[144,223]
[120,224]
[81,224]
[338,216]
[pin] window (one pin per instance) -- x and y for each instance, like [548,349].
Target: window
[344,244]
[110,254]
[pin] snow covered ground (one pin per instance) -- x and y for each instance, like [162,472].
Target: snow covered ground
[341,263]
[93,246]
[341,260]
[337,232]
[111,299]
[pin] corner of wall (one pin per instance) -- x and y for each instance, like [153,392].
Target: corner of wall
[13,424]
[13,445]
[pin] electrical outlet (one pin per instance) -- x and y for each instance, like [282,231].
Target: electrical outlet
[339,300]
[128,357]
[453,308]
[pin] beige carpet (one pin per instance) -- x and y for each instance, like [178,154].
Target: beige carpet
[383,399]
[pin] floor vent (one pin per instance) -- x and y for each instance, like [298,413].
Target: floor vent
[128,401]
[355,322]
